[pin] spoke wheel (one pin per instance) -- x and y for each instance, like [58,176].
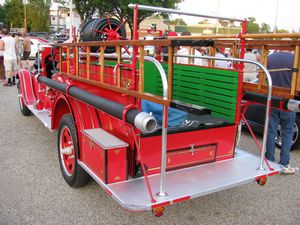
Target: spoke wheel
[104,29]
[67,154]
[296,135]
[73,174]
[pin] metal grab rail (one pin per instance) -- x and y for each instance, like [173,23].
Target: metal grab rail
[267,118]
[162,192]
[174,11]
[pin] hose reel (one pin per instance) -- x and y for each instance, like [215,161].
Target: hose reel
[102,29]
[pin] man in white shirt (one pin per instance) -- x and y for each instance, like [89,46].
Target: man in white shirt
[9,48]
[250,73]
[188,51]
[220,63]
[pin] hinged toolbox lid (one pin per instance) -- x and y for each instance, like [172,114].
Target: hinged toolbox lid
[104,139]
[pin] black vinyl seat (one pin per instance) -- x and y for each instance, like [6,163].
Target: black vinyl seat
[193,122]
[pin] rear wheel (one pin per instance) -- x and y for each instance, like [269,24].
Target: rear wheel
[72,172]
[23,108]
[296,135]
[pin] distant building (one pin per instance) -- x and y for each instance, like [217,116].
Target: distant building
[199,29]
[207,29]
[60,18]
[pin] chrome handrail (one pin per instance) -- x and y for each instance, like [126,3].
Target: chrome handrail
[269,96]
[179,12]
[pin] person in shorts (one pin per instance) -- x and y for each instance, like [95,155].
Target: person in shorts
[20,49]
[26,50]
[10,52]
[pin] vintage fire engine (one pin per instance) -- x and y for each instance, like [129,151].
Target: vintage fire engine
[148,130]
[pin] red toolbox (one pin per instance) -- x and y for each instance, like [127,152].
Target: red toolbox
[105,155]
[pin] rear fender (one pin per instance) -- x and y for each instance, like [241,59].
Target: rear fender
[27,86]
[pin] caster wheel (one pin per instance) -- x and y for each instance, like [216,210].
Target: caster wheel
[262,181]
[158,212]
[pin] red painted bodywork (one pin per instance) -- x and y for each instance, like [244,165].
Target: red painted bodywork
[184,149]
[218,141]
[110,165]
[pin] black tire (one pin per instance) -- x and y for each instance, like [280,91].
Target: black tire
[296,135]
[89,27]
[23,108]
[79,176]
[296,144]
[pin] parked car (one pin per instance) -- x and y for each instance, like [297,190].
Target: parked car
[255,115]
[58,38]
[42,35]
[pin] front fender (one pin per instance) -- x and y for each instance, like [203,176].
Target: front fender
[27,86]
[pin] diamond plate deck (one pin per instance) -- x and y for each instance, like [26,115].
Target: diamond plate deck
[189,182]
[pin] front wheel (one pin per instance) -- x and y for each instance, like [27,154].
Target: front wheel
[23,108]
[72,172]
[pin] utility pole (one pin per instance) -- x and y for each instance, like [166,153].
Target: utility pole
[71,19]
[276,12]
[25,25]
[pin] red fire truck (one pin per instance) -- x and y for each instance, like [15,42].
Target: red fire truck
[148,130]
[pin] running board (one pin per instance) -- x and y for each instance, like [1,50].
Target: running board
[43,115]
[187,183]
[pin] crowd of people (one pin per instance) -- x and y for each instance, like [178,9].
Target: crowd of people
[12,51]
[276,61]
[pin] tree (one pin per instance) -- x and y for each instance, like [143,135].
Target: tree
[282,31]
[85,9]
[178,22]
[14,13]
[117,8]
[224,23]
[265,28]
[2,13]
[252,27]
[205,21]
[38,15]
[121,11]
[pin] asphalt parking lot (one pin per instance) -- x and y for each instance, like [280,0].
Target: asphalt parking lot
[32,190]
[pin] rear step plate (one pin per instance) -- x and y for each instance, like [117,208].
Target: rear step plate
[188,183]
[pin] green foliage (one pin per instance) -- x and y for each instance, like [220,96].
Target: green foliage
[252,26]
[118,8]
[38,15]
[265,28]
[14,13]
[2,13]
[205,21]
[178,21]
[224,23]
[282,31]
[121,11]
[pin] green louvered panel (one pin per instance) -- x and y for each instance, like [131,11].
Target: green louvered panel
[213,88]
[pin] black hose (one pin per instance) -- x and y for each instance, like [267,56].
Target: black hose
[113,108]
[260,98]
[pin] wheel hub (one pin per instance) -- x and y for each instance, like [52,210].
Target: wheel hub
[67,153]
